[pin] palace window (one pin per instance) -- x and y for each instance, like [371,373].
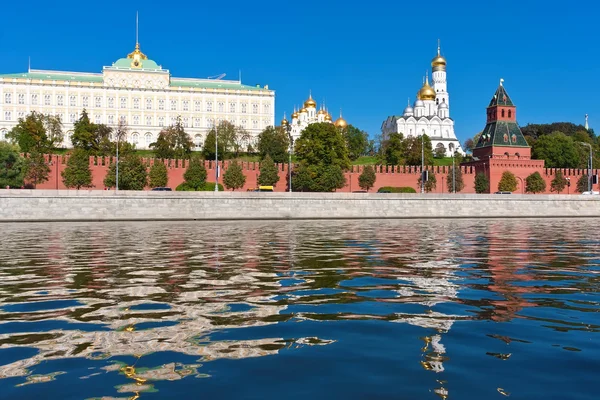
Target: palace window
[173,120]
[20,114]
[148,104]
[161,121]
[135,138]
[111,102]
[72,101]
[209,106]
[111,119]
[21,98]
[197,106]
[161,104]
[244,123]
[196,122]
[221,106]
[209,122]
[503,113]
[98,119]
[7,98]
[267,108]
[148,120]
[136,103]
[3,133]
[123,119]
[198,142]
[254,124]
[186,105]
[7,116]
[255,108]
[244,108]
[47,100]
[59,100]
[136,119]
[123,102]
[186,122]
[173,105]
[98,102]
[231,107]
[85,102]
[72,118]
[148,139]
[34,99]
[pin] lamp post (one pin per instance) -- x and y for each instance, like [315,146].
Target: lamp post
[422,161]
[288,128]
[568,185]
[216,156]
[117,177]
[453,175]
[590,166]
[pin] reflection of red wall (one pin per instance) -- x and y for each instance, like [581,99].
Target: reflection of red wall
[386,176]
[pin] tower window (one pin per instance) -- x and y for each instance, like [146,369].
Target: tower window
[503,113]
[509,113]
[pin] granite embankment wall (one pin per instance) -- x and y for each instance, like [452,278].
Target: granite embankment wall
[386,175]
[51,205]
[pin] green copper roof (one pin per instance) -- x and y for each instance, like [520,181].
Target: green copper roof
[502,133]
[55,76]
[216,84]
[501,98]
[126,63]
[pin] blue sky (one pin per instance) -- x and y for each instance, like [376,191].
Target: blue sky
[364,57]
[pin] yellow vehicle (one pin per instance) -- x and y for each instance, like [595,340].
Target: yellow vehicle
[264,189]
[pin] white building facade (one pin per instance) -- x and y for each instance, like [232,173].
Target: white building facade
[308,115]
[140,93]
[430,113]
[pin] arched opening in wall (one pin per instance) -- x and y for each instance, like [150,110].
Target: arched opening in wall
[517,155]
[507,155]
[3,133]
[440,150]
[451,148]
[135,138]
[67,142]
[198,142]
[437,102]
[509,113]
[503,113]
[148,139]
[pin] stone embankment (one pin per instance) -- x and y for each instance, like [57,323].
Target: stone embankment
[84,205]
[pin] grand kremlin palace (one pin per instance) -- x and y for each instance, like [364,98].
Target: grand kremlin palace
[139,92]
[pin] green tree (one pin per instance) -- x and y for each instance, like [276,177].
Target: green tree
[482,183]
[36,169]
[534,183]
[431,183]
[269,174]
[394,149]
[413,145]
[37,133]
[559,182]
[322,144]
[84,134]
[558,150]
[582,183]
[173,142]
[158,176]
[366,179]
[440,151]
[454,180]
[329,178]
[508,182]
[208,151]
[302,178]
[234,177]
[12,166]
[469,145]
[357,141]
[195,175]
[273,142]
[132,174]
[78,173]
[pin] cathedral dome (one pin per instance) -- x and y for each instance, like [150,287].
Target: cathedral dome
[438,61]
[443,105]
[328,117]
[310,102]
[284,122]
[321,112]
[419,103]
[340,123]
[427,92]
[294,115]
[303,110]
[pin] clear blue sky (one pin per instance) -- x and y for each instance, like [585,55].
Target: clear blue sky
[366,57]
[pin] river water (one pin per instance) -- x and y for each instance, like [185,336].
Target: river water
[294,310]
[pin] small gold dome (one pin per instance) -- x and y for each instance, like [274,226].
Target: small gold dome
[341,123]
[427,92]
[303,110]
[321,112]
[284,122]
[328,117]
[310,102]
[294,115]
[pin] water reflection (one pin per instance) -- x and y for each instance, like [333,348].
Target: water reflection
[145,304]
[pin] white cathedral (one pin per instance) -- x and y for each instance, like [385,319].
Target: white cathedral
[308,115]
[430,113]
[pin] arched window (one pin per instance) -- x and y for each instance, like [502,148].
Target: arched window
[509,113]
[3,133]
[134,138]
[148,137]
[503,113]
[198,142]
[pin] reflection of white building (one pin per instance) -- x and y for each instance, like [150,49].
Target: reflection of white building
[138,91]
[430,113]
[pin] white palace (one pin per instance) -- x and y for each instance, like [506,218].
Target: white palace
[430,113]
[139,92]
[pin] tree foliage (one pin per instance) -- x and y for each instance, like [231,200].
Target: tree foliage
[231,140]
[317,178]
[366,179]
[482,183]
[414,144]
[37,133]
[208,151]
[508,182]
[558,150]
[538,130]
[534,183]
[430,184]
[173,142]
[583,183]
[12,166]
[558,183]
[78,174]
[195,175]
[394,149]
[469,145]
[234,177]
[37,169]
[322,144]
[269,174]
[273,142]
[132,174]
[357,141]
[158,175]
[454,180]
[93,138]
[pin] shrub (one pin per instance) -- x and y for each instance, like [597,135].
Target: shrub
[234,177]
[534,183]
[367,178]
[158,176]
[482,183]
[195,174]
[508,182]
[207,187]
[395,189]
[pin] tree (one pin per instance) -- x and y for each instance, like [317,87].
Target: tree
[469,145]
[234,177]
[36,169]
[158,176]
[583,183]
[431,183]
[242,141]
[273,142]
[367,178]
[440,151]
[394,149]
[208,151]
[454,180]
[357,141]
[37,133]
[78,173]
[12,166]
[302,178]
[482,183]
[322,144]
[508,182]
[195,175]
[84,134]
[538,130]
[414,144]
[132,173]
[268,172]
[559,182]
[173,142]
[558,150]
[534,183]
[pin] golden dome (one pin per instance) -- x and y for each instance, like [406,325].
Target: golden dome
[438,62]
[294,115]
[303,110]
[310,102]
[340,123]
[284,122]
[427,92]
[328,117]
[321,112]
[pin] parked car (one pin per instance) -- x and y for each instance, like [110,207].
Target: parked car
[161,189]
[590,193]
[500,192]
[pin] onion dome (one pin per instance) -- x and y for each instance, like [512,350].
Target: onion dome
[340,122]
[408,111]
[419,103]
[328,117]
[294,115]
[427,92]
[438,62]
[310,102]
[321,112]
[303,110]
[284,121]
[443,105]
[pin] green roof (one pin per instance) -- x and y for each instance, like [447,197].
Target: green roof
[126,63]
[214,84]
[502,133]
[501,98]
[55,76]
